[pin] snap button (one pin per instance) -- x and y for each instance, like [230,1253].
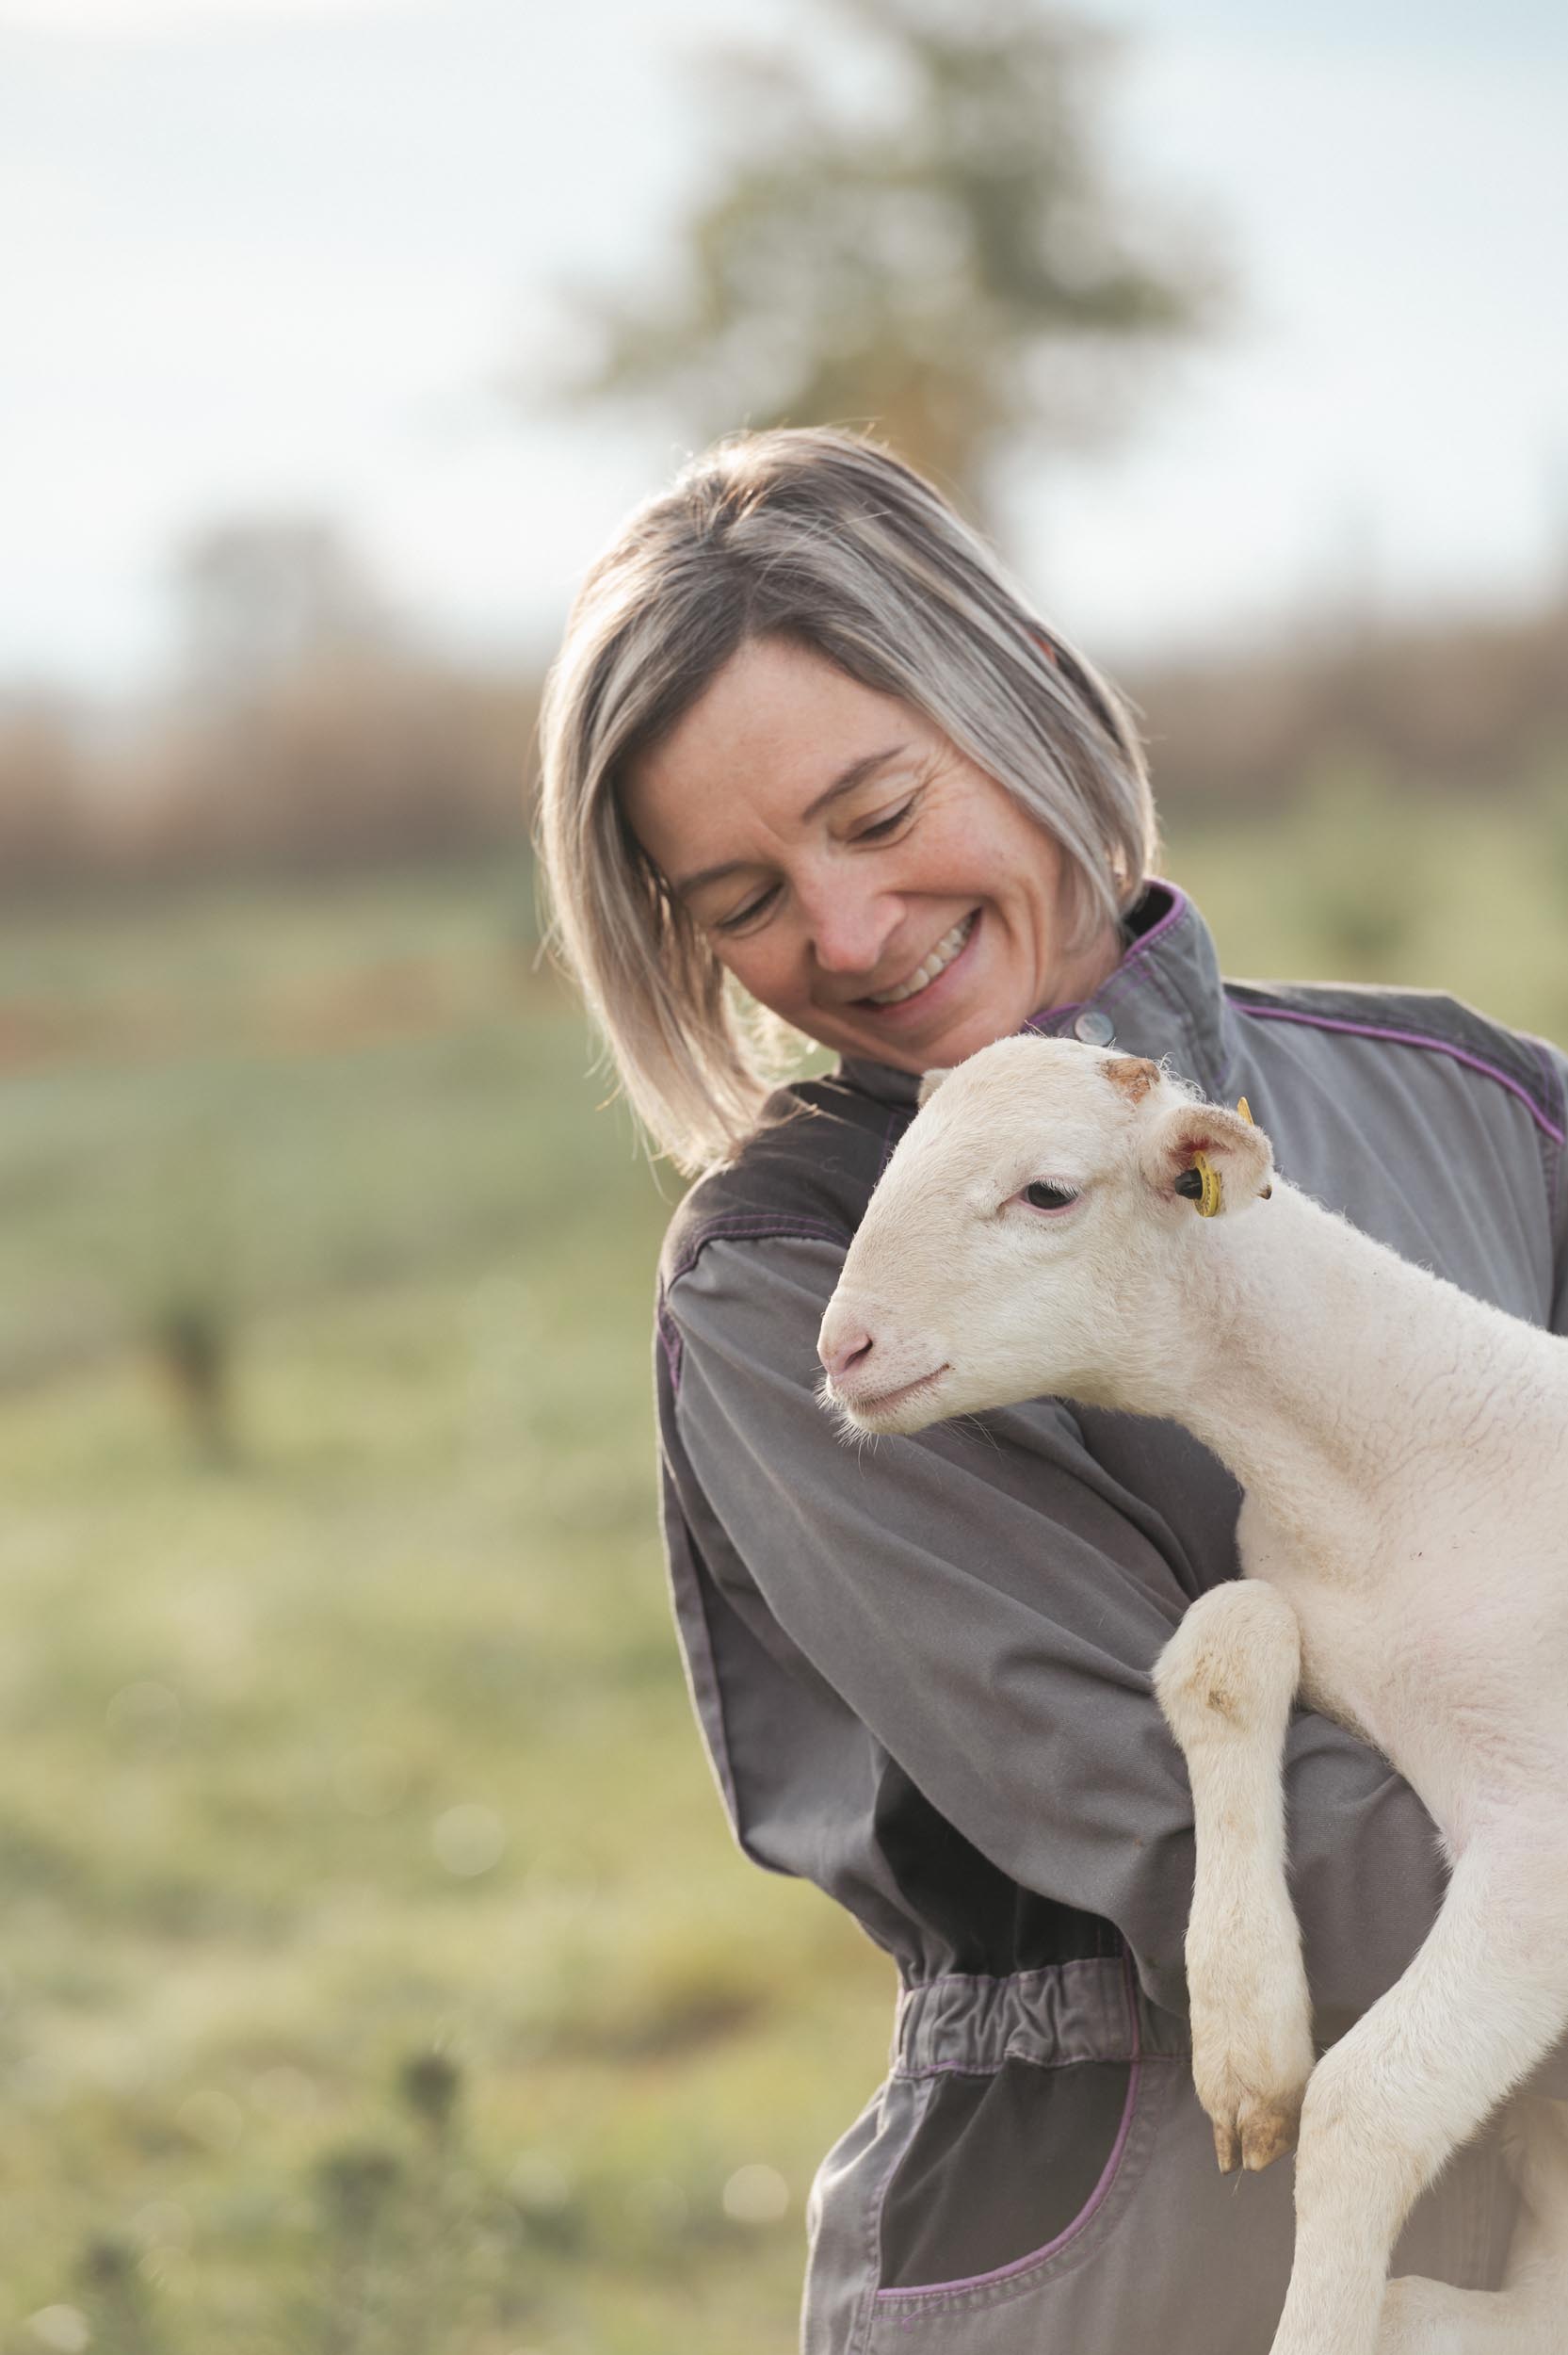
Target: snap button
[1094,1027]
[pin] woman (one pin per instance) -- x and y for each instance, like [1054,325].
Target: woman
[808,750]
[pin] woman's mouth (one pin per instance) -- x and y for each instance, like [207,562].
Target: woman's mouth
[935,965]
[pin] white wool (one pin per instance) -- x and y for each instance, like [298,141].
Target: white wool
[1401,1449]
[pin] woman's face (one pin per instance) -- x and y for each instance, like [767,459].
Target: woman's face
[856,874]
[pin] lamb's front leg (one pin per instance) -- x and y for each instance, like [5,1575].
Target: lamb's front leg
[1226,1682]
[1485,1999]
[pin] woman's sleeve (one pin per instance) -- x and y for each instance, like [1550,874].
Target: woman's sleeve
[1557,1167]
[993,1620]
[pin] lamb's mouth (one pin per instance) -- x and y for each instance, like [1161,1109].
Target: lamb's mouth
[868,1407]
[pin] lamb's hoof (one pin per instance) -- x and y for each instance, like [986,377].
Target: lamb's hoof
[1267,2136]
[1255,2137]
[1253,2085]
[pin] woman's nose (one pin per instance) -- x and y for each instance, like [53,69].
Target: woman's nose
[850,932]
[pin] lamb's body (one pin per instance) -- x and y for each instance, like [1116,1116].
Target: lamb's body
[1404,1450]
[1404,1531]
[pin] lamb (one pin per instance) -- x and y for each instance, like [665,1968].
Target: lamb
[1063,1219]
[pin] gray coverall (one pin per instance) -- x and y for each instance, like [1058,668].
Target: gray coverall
[922,1672]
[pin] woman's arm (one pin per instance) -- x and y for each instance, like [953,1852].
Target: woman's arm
[996,1637]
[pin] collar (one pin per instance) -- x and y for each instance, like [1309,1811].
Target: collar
[1164,998]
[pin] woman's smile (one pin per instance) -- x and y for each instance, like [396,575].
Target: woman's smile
[857,873]
[925,996]
[930,969]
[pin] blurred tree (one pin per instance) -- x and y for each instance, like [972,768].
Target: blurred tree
[260,596]
[319,730]
[950,260]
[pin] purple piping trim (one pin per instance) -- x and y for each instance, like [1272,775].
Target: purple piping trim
[1173,914]
[1096,2198]
[1049,1013]
[1552,1087]
[1411,1038]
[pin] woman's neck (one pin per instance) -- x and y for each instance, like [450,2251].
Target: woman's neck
[1089,968]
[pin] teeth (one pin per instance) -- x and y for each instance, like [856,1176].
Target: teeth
[940,959]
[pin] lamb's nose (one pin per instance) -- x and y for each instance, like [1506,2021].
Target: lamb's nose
[843,1347]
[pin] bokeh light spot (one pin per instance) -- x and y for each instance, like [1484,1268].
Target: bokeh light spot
[468,1840]
[62,2327]
[538,2185]
[757,2195]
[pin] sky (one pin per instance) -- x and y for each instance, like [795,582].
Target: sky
[286,255]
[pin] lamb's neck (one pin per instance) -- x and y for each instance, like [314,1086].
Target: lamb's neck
[1305,1345]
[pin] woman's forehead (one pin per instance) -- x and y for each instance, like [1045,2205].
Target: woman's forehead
[777,731]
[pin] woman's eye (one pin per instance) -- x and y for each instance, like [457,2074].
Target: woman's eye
[889,824]
[1041,1196]
[742,917]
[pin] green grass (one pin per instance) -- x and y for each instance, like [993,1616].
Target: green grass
[355,1734]
[370,1740]
[375,1744]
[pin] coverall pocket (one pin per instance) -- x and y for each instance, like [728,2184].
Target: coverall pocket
[1066,2147]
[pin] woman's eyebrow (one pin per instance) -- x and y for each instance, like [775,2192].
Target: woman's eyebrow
[846,782]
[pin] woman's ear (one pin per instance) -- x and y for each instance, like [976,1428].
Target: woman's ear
[1202,1155]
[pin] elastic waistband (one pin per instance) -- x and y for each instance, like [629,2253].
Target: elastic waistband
[1068,2011]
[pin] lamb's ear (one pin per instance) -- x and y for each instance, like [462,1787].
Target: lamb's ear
[1201,1154]
[929,1084]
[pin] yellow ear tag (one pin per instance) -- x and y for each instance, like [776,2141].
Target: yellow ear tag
[1208,1204]
[1265,1192]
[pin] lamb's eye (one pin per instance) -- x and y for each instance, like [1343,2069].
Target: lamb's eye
[1041,1196]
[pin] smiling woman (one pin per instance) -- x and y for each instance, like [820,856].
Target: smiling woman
[810,754]
[803,731]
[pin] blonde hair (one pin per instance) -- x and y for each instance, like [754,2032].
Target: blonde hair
[825,539]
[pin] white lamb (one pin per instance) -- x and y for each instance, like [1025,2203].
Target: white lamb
[1063,1221]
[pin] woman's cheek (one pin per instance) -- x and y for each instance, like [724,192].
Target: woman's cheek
[770,979]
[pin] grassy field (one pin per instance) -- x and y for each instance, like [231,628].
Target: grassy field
[375,1971]
[361,1739]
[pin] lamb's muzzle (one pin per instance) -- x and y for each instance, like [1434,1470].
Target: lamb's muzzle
[871,1379]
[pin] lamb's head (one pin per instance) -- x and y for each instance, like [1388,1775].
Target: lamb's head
[1034,1234]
